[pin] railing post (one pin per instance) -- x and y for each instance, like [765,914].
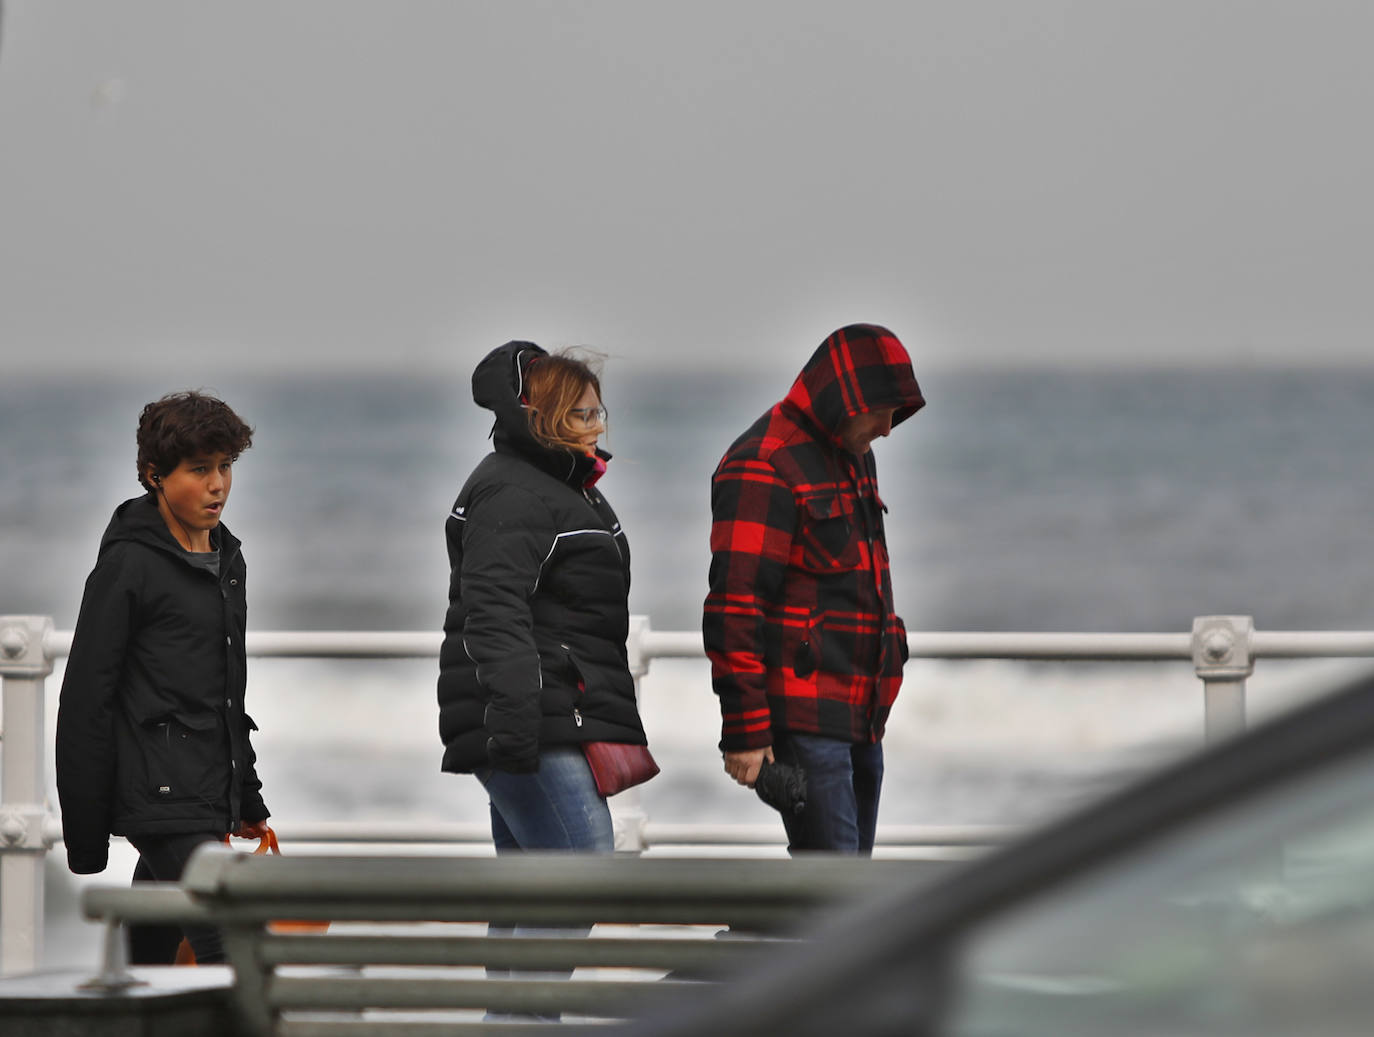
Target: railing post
[114,974]
[627,811]
[1222,659]
[25,824]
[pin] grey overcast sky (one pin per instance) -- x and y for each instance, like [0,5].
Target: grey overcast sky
[337,184]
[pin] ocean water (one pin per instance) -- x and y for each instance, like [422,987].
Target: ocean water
[1122,501]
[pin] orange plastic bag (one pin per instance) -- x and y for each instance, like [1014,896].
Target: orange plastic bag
[268,843]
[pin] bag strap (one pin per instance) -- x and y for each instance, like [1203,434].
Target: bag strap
[267,842]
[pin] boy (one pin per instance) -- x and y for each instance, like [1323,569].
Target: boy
[152,737]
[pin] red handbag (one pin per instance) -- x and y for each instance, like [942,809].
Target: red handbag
[617,766]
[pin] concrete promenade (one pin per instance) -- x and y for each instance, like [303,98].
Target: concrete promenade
[170,1002]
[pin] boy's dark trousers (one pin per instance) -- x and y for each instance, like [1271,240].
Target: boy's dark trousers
[162,858]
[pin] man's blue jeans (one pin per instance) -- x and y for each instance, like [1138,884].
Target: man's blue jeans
[843,782]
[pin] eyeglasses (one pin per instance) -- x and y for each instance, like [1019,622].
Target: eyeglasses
[588,417]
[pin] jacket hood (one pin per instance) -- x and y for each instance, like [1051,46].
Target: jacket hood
[138,520]
[858,369]
[498,384]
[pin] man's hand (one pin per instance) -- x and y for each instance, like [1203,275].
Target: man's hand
[744,767]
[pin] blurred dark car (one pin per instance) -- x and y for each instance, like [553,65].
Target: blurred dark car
[1231,893]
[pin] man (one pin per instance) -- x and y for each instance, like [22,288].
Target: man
[806,650]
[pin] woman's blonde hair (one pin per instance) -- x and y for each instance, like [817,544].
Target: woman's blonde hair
[553,385]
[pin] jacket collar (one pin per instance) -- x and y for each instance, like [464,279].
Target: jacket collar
[139,521]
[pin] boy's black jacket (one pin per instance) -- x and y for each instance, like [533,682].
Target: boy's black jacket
[152,737]
[534,640]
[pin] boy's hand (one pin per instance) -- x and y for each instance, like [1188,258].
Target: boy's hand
[257,830]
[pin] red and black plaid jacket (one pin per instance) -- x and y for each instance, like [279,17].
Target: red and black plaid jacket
[799,623]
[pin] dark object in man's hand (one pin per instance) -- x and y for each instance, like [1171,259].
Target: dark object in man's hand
[782,787]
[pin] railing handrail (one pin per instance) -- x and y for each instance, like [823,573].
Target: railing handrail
[686,644]
[657,834]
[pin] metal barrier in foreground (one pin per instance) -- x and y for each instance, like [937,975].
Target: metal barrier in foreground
[1222,650]
[664,929]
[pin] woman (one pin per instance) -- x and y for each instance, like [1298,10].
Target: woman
[534,661]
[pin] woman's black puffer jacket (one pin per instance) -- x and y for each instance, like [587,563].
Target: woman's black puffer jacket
[539,578]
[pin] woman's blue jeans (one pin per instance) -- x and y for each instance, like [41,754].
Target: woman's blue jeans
[843,783]
[555,808]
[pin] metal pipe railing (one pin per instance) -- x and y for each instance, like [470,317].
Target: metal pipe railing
[1222,649]
[1062,646]
[911,840]
[680,644]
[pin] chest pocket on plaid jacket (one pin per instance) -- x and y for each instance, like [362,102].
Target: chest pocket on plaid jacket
[828,535]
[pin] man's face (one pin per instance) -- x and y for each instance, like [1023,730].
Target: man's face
[857,432]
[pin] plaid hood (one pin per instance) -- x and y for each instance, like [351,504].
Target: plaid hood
[858,369]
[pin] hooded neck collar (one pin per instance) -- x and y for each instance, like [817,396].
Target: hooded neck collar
[498,384]
[138,519]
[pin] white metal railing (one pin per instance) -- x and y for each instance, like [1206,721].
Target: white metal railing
[1222,650]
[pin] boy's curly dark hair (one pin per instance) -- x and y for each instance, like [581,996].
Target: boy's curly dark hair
[187,424]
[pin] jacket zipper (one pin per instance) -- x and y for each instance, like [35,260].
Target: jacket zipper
[588,497]
[862,509]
